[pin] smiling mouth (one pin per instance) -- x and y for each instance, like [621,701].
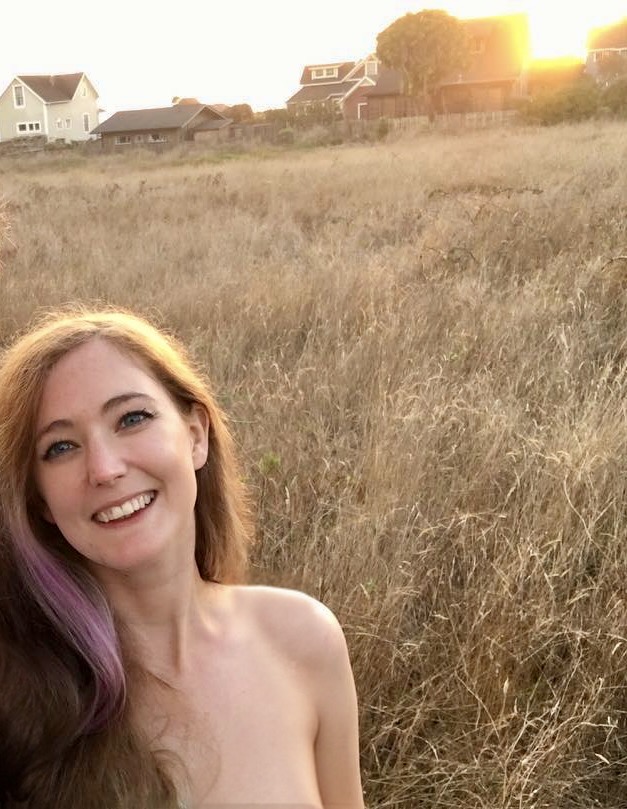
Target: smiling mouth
[126,509]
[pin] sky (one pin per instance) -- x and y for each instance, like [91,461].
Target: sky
[141,53]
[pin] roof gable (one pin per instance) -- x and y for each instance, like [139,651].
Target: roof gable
[51,89]
[389,82]
[321,92]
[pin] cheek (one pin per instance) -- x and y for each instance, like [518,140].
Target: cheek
[53,496]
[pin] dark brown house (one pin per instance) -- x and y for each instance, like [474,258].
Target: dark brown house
[163,125]
[336,86]
[496,75]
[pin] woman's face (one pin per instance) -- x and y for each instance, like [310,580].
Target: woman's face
[115,459]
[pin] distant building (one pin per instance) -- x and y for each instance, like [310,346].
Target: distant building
[347,87]
[163,125]
[606,54]
[60,107]
[495,78]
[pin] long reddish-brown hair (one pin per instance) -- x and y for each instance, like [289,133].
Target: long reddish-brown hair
[59,646]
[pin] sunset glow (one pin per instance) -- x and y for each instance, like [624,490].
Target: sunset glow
[131,70]
[556,30]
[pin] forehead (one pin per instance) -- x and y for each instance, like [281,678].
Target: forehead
[91,374]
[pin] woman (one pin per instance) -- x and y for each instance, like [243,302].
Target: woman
[136,670]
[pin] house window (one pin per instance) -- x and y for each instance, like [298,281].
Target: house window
[139,138]
[59,123]
[68,123]
[29,127]
[477,46]
[324,73]
[86,126]
[372,68]
[156,137]
[84,91]
[122,139]
[18,95]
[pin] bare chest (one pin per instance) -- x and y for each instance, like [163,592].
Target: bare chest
[242,729]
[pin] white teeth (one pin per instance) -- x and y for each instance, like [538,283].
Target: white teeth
[125,509]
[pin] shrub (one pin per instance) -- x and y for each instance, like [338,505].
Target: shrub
[285,137]
[576,102]
[321,136]
[383,128]
[614,97]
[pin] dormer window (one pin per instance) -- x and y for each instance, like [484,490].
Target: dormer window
[18,95]
[372,68]
[477,46]
[324,73]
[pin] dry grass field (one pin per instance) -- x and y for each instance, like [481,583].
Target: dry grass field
[422,346]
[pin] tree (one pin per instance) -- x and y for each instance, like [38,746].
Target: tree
[426,48]
[240,113]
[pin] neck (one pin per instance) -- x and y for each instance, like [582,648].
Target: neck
[165,615]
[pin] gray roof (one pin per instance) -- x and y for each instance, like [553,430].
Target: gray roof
[320,92]
[160,118]
[53,88]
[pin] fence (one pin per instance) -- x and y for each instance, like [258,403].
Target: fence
[456,120]
[248,135]
[23,145]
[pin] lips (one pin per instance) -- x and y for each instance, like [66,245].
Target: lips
[126,508]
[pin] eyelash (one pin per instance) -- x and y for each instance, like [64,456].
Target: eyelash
[145,415]
[51,453]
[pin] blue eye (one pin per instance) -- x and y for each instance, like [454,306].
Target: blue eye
[57,449]
[135,417]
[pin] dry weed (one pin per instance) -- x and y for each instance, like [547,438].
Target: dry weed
[422,346]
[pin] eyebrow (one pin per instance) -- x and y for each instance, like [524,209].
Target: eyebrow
[110,404]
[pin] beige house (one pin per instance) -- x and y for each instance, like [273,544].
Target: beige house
[63,107]
[160,126]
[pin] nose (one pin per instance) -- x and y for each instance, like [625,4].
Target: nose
[105,465]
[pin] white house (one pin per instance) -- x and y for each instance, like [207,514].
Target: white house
[63,107]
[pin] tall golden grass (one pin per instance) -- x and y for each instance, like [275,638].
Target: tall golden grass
[423,348]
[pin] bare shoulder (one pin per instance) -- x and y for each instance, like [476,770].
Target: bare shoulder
[308,638]
[301,626]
